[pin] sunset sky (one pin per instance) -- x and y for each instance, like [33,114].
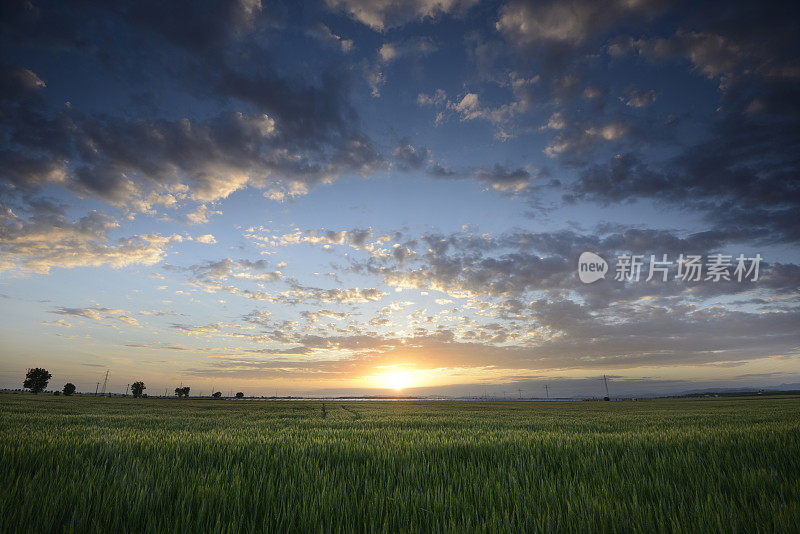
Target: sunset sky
[355,196]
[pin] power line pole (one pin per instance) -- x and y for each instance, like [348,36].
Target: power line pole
[546,391]
[605,381]
[520,392]
[105,382]
[126,389]
[96,387]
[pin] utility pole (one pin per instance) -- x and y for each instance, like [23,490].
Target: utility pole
[605,381]
[520,392]
[105,382]
[96,387]
[546,391]
[126,389]
[165,392]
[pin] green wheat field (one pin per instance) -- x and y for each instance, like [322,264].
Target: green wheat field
[90,464]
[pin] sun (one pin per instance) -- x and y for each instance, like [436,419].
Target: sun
[395,380]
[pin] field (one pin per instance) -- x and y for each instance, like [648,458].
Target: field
[165,465]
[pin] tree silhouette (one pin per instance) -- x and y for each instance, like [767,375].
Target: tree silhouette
[137,388]
[69,388]
[182,392]
[36,379]
[240,395]
[216,394]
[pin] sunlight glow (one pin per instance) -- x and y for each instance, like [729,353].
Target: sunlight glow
[396,380]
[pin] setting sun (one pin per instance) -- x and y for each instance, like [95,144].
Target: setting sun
[396,381]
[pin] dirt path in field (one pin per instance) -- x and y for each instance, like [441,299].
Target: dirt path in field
[352,412]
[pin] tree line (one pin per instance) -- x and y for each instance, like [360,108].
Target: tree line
[36,380]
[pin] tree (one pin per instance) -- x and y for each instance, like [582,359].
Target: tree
[240,395]
[36,379]
[69,388]
[216,394]
[183,391]
[137,388]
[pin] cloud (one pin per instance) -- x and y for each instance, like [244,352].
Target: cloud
[324,34]
[142,164]
[528,23]
[580,138]
[356,238]
[388,53]
[211,273]
[300,294]
[743,167]
[313,317]
[470,106]
[420,46]
[40,243]
[505,180]
[297,132]
[207,239]
[381,15]
[195,25]
[439,97]
[98,314]
[575,341]
[27,172]
[639,98]
[17,82]
[757,51]
[409,156]
[247,279]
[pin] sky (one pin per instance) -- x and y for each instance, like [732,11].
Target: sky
[352,197]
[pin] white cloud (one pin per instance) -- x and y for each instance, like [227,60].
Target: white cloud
[207,239]
[568,22]
[383,14]
[41,244]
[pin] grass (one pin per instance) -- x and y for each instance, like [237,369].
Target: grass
[89,464]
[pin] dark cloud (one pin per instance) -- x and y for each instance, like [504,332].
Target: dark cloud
[730,40]
[325,35]
[409,156]
[17,83]
[639,98]
[142,163]
[746,169]
[197,25]
[298,131]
